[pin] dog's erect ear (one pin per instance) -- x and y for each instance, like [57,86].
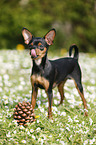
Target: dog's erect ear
[27,35]
[49,37]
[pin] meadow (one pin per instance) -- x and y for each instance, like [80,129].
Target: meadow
[68,127]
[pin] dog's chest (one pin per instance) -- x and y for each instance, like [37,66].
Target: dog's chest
[39,80]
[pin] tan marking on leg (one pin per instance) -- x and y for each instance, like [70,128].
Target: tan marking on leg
[50,112]
[83,99]
[34,96]
[49,108]
[61,91]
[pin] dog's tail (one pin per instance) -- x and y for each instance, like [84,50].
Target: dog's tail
[76,53]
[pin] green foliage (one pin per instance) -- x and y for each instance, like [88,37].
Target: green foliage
[75,22]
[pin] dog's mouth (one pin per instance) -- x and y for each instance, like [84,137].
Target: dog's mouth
[37,53]
[33,54]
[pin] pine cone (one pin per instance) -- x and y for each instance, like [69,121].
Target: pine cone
[24,113]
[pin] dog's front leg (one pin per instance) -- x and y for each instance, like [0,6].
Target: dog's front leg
[50,100]
[34,96]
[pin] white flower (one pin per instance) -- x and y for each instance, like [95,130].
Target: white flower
[15,122]
[33,137]
[58,95]
[68,128]
[44,95]
[54,108]
[51,121]
[23,83]
[85,132]
[92,141]
[62,129]
[42,110]
[62,142]
[41,141]
[5,97]
[38,129]
[83,122]
[26,129]
[21,127]
[50,136]
[63,114]
[70,137]
[15,132]
[0,116]
[20,87]
[31,130]
[69,119]
[91,121]
[85,142]
[46,104]
[37,121]
[28,132]
[46,114]
[23,141]
[21,79]
[80,131]
[25,99]
[6,102]
[55,102]
[44,137]
[38,102]
[16,143]
[76,120]
[79,125]
[6,77]
[8,135]
[59,112]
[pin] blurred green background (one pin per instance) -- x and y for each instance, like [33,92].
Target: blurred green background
[74,21]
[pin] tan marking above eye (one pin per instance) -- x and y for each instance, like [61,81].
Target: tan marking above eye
[32,43]
[39,43]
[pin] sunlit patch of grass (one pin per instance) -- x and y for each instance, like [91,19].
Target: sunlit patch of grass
[69,126]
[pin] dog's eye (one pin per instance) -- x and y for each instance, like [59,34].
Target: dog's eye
[41,47]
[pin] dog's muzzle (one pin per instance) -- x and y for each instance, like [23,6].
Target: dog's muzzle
[33,54]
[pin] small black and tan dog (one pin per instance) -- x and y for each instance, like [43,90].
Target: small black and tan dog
[47,74]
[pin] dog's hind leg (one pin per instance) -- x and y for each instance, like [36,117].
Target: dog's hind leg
[61,91]
[80,91]
[76,76]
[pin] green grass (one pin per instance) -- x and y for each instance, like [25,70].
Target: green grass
[69,126]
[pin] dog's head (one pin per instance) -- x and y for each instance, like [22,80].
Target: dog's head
[38,46]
